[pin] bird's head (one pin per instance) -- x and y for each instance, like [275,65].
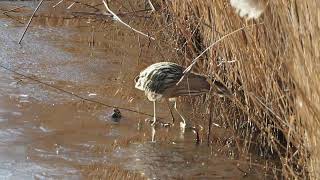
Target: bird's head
[138,83]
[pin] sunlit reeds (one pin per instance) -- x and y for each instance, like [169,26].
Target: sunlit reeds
[273,70]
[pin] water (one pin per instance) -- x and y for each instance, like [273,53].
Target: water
[46,133]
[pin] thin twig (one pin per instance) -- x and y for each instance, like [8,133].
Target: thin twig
[268,108]
[27,26]
[71,93]
[57,4]
[78,2]
[210,120]
[14,18]
[190,38]
[95,14]
[13,9]
[88,5]
[71,5]
[194,61]
[104,15]
[151,6]
[118,19]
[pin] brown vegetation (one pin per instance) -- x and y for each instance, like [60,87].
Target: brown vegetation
[272,68]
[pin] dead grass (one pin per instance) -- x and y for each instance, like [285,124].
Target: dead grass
[273,71]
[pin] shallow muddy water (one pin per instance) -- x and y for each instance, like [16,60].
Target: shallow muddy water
[47,133]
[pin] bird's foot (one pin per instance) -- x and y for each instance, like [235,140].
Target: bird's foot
[166,125]
[153,134]
[151,121]
[158,122]
[197,131]
[183,125]
[182,128]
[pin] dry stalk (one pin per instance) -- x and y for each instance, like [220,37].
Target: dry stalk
[57,3]
[30,20]
[151,5]
[274,74]
[117,18]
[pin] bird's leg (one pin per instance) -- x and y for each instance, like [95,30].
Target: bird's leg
[154,114]
[153,133]
[153,128]
[182,124]
[170,108]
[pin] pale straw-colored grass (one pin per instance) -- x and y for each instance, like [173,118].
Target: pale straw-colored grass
[273,70]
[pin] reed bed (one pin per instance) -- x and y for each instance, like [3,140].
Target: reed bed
[271,67]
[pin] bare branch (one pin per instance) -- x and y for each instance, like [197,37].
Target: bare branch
[118,19]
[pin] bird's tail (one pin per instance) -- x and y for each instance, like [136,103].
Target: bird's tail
[193,84]
[199,83]
[196,84]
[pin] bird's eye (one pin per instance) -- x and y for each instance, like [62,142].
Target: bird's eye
[136,79]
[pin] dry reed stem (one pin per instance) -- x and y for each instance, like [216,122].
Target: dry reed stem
[151,5]
[58,3]
[30,20]
[275,74]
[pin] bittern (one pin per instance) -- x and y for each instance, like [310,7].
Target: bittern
[159,81]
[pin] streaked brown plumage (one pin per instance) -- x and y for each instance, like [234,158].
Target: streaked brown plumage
[159,81]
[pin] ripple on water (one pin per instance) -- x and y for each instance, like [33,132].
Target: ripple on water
[2,119]
[29,170]
[4,173]
[10,135]
[77,154]
[167,161]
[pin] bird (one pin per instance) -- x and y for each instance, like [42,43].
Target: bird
[159,81]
